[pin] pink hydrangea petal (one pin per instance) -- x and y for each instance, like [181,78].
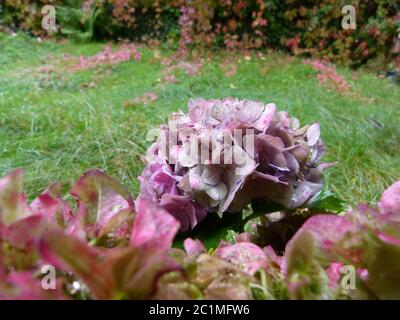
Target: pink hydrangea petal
[313,134]
[153,226]
[389,204]
[193,247]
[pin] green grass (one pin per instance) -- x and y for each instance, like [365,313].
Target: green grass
[57,126]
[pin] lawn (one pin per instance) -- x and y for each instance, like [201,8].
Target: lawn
[57,123]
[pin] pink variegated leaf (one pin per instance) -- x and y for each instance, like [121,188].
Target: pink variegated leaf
[25,233]
[137,270]
[24,286]
[74,255]
[120,273]
[102,197]
[76,224]
[44,203]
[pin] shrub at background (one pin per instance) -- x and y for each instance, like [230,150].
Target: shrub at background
[311,27]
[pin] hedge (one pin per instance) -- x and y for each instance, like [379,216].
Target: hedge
[302,27]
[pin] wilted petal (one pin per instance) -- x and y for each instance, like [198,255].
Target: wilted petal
[292,162]
[218,192]
[262,187]
[234,182]
[304,191]
[156,179]
[313,134]
[184,210]
[250,111]
[195,179]
[265,119]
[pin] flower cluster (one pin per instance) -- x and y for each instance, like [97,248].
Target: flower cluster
[225,153]
[362,244]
